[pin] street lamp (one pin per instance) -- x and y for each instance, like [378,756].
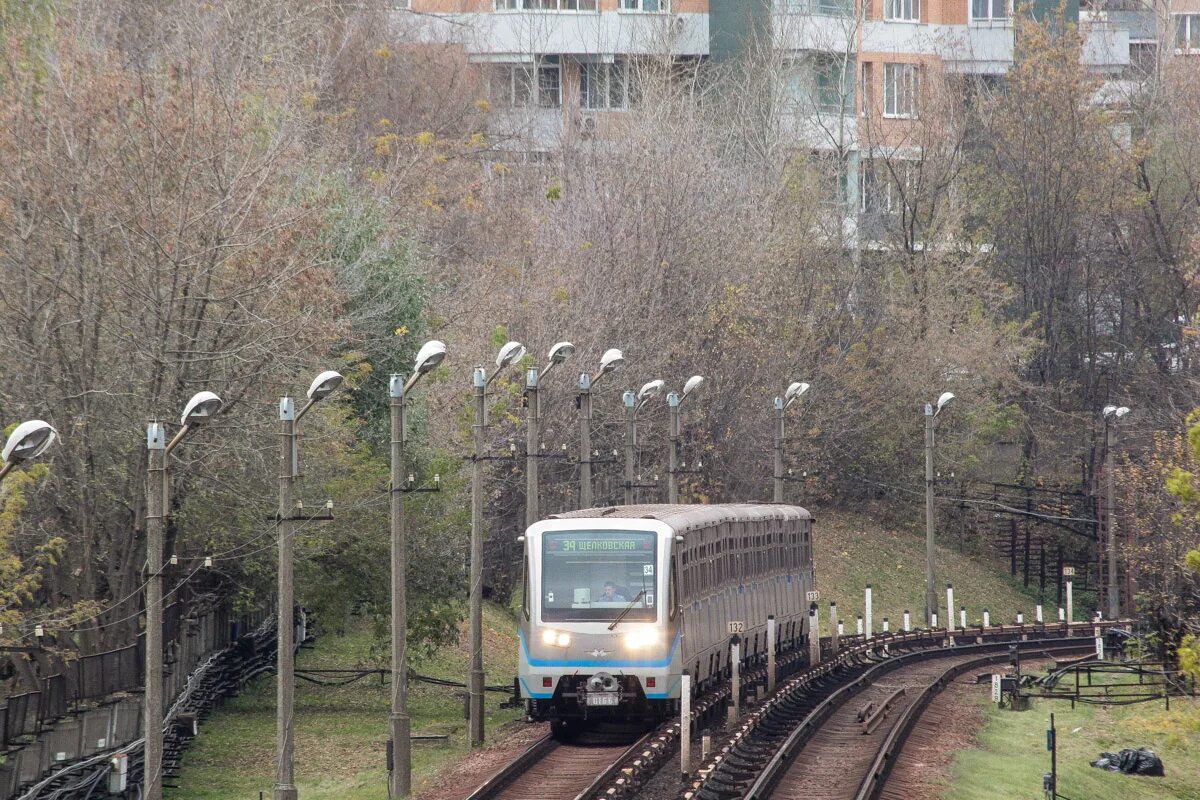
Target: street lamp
[1112,415]
[322,386]
[633,404]
[429,356]
[27,441]
[558,354]
[202,407]
[931,411]
[609,362]
[673,402]
[794,392]
[509,354]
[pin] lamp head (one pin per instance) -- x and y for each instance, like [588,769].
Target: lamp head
[1115,411]
[28,440]
[650,390]
[324,385]
[795,391]
[202,406]
[611,360]
[429,356]
[561,352]
[511,353]
[945,398]
[693,383]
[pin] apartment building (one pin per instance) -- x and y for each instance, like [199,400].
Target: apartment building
[561,69]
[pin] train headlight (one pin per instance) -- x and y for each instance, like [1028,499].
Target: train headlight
[555,638]
[645,637]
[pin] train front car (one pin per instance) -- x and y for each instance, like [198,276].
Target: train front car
[598,641]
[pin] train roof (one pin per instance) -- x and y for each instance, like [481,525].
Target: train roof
[685,517]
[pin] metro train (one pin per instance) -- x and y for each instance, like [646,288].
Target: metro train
[619,601]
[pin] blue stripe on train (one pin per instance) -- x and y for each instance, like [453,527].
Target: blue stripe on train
[630,663]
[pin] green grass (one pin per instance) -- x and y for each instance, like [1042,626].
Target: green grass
[341,733]
[1011,756]
[854,549]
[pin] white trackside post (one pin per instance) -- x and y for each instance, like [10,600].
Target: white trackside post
[1070,603]
[835,627]
[735,664]
[685,724]
[1020,618]
[907,621]
[841,628]
[860,625]
[1062,614]
[987,619]
[1038,612]
[885,624]
[962,618]
[933,621]
[867,610]
[770,653]
[950,607]
[814,637]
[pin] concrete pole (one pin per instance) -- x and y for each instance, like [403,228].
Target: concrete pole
[673,463]
[685,724]
[585,440]
[532,448]
[930,578]
[868,610]
[814,636]
[475,684]
[907,621]
[1114,595]
[399,724]
[285,684]
[1070,602]
[152,715]
[778,474]
[835,627]
[629,400]
[771,653]
[950,608]
[735,666]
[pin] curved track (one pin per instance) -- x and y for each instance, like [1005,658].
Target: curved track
[842,760]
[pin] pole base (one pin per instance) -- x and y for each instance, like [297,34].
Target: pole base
[286,793]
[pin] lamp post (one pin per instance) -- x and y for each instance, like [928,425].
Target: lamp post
[27,441]
[1112,414]
[633,404]
[400,780]
[931,600]
[322,386]
[610,361]
[202,407]
[673,403]
[511,353]
[793,393]
[558,355]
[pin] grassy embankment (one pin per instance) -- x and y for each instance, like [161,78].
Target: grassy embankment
[1010,758]
[341,732]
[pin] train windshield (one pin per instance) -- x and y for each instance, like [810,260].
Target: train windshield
[595,575]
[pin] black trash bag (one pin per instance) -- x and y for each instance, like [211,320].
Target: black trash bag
[1142,761]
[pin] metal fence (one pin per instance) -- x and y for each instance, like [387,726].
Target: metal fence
[85,707]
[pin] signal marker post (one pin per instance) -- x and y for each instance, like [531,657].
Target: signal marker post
[685,724]
[835,627]
[867,609]
[950,608]
[735,666]
[770,653]
[814,636]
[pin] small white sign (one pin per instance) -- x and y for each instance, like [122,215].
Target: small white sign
[1068,572]
[812,597]
[1100,647]
[995,688]
[647,569]
[737,627]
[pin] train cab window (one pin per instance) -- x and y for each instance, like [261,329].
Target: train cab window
[598,575]
[525,587]
[673,592]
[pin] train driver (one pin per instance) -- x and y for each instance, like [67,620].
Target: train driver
[610,594]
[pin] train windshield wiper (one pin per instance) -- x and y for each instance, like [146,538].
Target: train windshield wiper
[627,608]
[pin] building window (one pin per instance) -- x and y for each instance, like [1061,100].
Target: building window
[867,88]
[522,86]
[544,5]
[834,82]
[900,86]
[1187,32]
[884,185]
[829,8]
[604,86]
[989,10]
[902,10]
[649,6]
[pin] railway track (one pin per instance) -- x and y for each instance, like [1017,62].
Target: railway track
[853,753]
[553,770]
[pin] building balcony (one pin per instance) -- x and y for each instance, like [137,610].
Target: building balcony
[518,35]
[1105,46]
[814,25]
